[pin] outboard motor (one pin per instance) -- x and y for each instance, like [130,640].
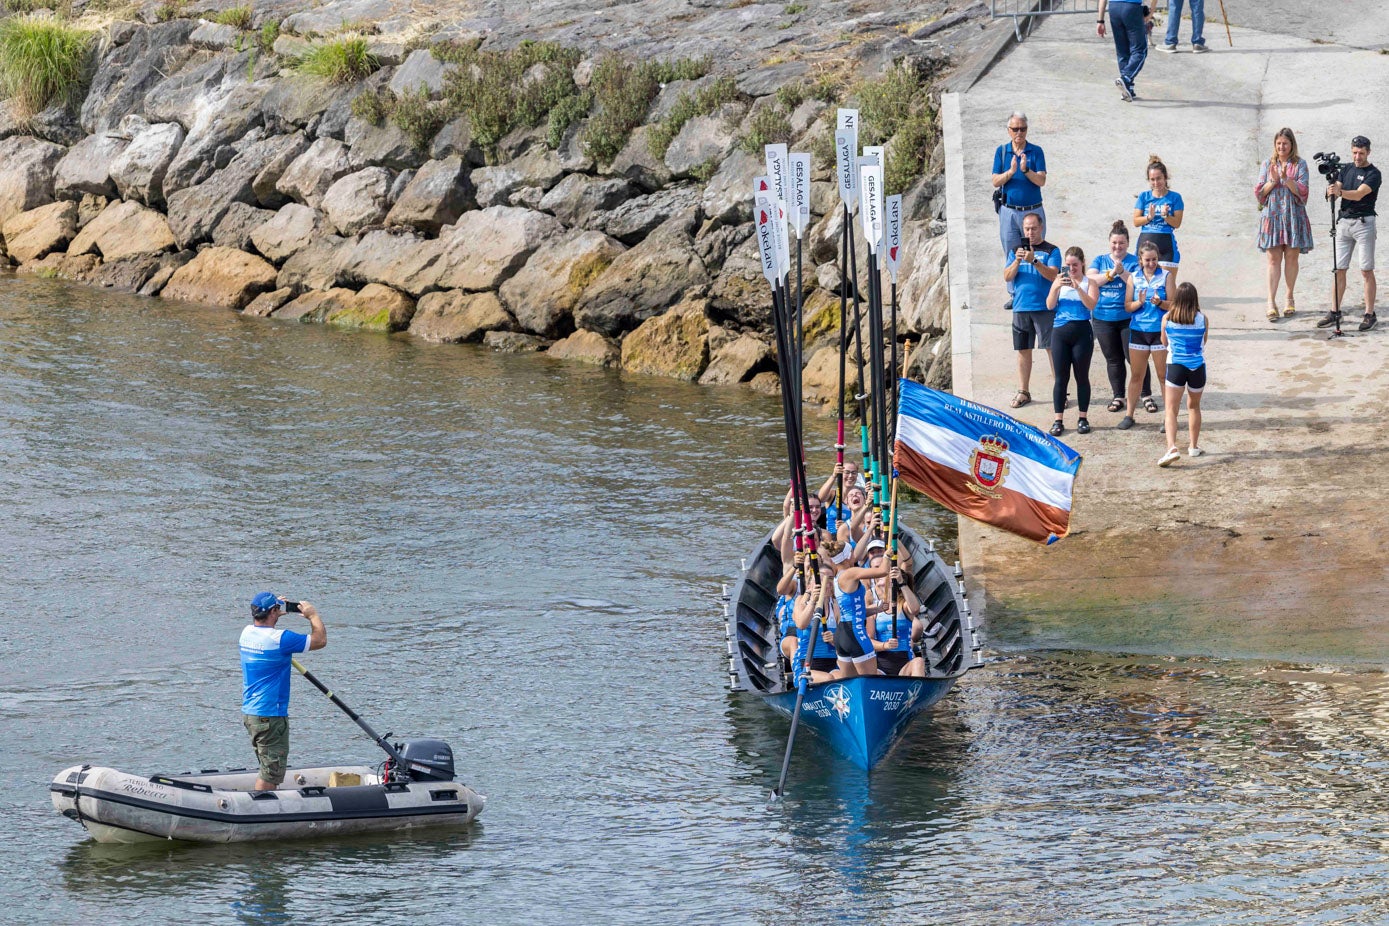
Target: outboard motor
[427,760]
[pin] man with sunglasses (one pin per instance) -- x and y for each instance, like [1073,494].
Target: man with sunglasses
[266,654]
[1020,172]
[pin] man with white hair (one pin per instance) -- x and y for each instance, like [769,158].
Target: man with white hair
[1020,172]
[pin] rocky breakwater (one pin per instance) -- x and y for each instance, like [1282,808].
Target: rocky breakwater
[534,196]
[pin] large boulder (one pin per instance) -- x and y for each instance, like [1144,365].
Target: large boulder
[737,361]
[290,230]
[267,304]
[401,261]
[126,275]
[195,212]
[33,234]
[704,140]
[139,170]
[636,218]
[728,195]
[26,174]
[86,168]
[124,229]
[221,276]
[310,175]
[587,347]
[543,293]
[456,139]
[264,184]
[538,168]
[924,299]
[315,305]
[386,144]
[644,281]
[420,70]
[675,344]
[292,105]
[59,266]
[458,316]
[740,294]
[488,246]
[636,162]
[236,227]
[375,308]
[128,71]
[357,200]
[577,197]
[436,196]
[318,265]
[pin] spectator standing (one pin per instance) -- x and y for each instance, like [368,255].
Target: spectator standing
[1358,187]
[1113,272]
[1159,212]
[1072,298]
[1198,25]
[1130,41]
[1148,301]
[1033,266]
[1020,172]
[1184,333]
[1285,232]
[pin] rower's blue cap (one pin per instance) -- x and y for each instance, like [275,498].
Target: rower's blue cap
[262,603]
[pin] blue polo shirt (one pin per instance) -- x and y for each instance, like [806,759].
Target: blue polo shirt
[1019,191]
[1110,307]
[266,653]
[1158,224]
[1030,288]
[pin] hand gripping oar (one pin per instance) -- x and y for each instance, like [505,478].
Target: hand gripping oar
[397,762]
[802,681]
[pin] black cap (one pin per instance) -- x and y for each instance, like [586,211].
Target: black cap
[1360,141]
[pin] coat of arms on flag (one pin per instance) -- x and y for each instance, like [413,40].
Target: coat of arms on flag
[988,464]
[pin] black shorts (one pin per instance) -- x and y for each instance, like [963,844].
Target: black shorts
[1032,329]
[1145,340]
[1187,378]
[893,661]
[1166,245]
[824,664]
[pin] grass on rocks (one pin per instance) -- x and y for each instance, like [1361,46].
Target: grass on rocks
[42,61]
[623,91]
[342,60]
[702,102]
[895,110]
[419,117]
[505,90]
[238,17]
[768,124]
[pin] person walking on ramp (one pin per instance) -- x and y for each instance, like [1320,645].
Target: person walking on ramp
[1184,333]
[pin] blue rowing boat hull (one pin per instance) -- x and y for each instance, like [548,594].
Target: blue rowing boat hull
[865,716]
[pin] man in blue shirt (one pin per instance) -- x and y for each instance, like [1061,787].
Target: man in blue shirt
[1020,171]
[1032,266]
[266,654]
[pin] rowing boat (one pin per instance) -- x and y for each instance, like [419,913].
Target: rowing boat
[861,718]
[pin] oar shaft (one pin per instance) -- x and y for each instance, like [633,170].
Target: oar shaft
[377,738]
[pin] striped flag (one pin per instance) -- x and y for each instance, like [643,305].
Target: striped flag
[984,464]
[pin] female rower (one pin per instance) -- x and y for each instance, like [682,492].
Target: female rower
[894,638]
[1147,300]
[1110,319]
[852,644]
[1158,212]
[1185,331]
[1072,296]
[822,661]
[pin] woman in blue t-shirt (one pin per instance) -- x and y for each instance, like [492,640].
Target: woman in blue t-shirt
[1184,331]
[1147,300]
[1158,212]
[1073,295]
[1112,272]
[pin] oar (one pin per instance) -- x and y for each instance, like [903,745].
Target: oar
[802,682]
[397,762]
[843,356]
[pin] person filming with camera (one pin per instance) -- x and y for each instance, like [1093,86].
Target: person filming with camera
[1357,186]
[266,656]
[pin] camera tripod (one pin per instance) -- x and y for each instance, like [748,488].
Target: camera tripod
[1335,289]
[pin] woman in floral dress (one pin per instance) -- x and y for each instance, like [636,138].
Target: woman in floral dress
[1284,230]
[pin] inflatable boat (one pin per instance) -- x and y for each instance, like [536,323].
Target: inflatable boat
[222,806]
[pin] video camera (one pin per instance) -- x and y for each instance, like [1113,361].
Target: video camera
[1329,165]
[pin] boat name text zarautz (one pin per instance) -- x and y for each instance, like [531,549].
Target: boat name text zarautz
[886,695]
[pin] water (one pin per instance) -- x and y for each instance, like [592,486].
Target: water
[522,557]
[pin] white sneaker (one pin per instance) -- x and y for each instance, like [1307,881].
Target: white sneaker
[1195,452]
[1170,457]
[1124,93]
[1170,49]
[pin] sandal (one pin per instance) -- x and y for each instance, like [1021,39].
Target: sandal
[1057,428]
[1272,313]
[1022,398]
[1149,405]
[1083,426]
[1291,309]
[1117,405]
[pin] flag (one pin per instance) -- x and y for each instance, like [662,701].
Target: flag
[984,464]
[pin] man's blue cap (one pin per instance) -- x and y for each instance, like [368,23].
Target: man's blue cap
[262,603]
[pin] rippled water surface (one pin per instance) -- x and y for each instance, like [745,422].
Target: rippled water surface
[523,557]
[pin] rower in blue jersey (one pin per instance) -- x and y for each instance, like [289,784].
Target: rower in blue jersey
[819,661]
[1185,331]
[896,630]
[1147,300]
[852,644]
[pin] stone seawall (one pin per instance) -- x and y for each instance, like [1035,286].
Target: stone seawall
[201,166]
